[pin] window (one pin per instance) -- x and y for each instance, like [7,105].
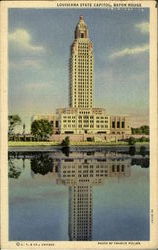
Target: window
[56,124]
[113,124]
[118,124]
[113,168]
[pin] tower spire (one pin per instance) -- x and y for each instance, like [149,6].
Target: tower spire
[81,30]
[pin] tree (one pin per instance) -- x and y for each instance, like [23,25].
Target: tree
[41,129]
[143,150]
[142,130]
[13,121]
[131,141]
[14,171]
[132,150]
[43,164]
[145,129]
[143,139]
[66,142]
[66,150]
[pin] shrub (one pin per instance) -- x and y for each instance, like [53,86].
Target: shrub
[132,150]
[131,141]
[143,150]
[66,142]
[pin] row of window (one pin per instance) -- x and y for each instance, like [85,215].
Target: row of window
[80,58]
[118,124]
[83,88]
[98,121]
[82,73]
[83,119]
[84,46]
[102,126]
[83,103]
[81,188]
[86,175]
[101,169]
[82,167]
[91,171]
[82,76]
[84,55]
[84,95]
[69,117]
[83,50]
[85,112]
[81,124]
[84,42]
[86,121]
[82,83]
[84,99]
[83,62]
[69,126]
[118,169]
[81,68]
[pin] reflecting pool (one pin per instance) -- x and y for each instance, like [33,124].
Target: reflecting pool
[82,195]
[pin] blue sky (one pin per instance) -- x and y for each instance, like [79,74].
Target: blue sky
[39,50]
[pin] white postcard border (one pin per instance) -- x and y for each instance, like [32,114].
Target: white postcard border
[153,243]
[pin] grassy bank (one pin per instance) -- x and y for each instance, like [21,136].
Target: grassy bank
[31,143]
[45,143]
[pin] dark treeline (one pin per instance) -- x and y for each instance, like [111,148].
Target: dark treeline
[141,130]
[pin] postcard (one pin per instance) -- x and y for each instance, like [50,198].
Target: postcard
[79,130]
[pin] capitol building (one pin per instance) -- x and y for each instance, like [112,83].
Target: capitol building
[81,118]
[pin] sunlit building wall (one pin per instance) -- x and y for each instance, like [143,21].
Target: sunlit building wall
[81,68]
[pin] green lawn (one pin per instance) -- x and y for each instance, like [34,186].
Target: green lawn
[31,143]
[47,143]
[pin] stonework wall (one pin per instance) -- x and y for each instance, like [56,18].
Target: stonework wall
[89,137]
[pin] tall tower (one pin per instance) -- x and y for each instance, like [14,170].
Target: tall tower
[81,68]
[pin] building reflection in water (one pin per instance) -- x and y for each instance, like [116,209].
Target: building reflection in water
[81,173]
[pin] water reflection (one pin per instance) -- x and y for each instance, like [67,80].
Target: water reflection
[14,171]
[43,164]
[81,171]
[81,174]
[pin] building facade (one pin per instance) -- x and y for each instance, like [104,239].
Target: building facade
[81,117]
[81,68]
[88,121]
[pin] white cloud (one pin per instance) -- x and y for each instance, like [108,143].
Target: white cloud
[22,39]
[143,27]
[130,51]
